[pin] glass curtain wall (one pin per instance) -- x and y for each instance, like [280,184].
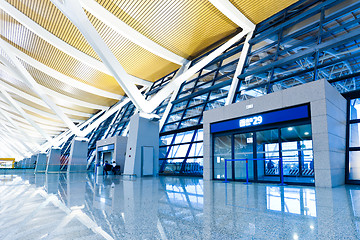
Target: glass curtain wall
[353,142]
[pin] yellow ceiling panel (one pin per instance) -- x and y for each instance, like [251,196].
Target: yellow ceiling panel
[184,27]
[44,13]
[259,10]
[28,42]
[65,89]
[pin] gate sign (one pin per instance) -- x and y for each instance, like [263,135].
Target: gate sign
[283,115]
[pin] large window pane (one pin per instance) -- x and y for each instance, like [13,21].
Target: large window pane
[354,135]
[354,165]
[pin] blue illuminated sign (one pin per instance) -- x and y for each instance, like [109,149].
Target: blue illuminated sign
[283,115]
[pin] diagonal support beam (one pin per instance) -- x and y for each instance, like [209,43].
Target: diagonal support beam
[73,10]
[16,126]
[128,32]
[14,104]
[36,87]
[11,146]
[239,69]
[231,12]
[12,134]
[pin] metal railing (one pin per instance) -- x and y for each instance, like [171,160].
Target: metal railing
[281,169]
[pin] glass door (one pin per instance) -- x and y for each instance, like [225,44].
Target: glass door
[297,153]
[222,151]
[243,149]
[267,148]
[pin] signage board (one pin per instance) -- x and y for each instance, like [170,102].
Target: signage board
[283,115]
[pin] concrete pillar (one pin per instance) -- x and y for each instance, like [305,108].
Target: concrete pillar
[142,153]
[53,162]
[78,155]
[32,161]
[41,163]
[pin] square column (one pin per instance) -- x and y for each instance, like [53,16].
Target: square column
[78,155]
[142,153]
[41,163]
[32,162]
[53,162]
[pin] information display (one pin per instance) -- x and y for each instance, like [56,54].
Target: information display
[283,115]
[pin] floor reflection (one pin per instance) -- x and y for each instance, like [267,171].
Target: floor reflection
[176,208]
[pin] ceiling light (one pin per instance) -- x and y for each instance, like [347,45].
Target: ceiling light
[290,128]
[306,133]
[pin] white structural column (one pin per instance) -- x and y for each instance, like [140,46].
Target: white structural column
[58,43]
[14,104]
[230,11]
[38,90]
[239,68]
[128,32]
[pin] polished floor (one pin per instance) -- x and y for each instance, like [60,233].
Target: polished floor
[81,206]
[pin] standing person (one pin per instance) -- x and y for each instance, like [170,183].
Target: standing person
[107,167]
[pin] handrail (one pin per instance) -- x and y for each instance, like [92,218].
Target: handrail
[281,170]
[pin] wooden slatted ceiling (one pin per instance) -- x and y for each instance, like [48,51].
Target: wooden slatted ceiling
[259,10]
[48,16]
[184,27]
[56,85]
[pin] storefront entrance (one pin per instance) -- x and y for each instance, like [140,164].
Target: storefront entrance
[263,147]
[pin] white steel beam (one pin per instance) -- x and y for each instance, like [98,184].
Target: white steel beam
[60,44]
[239,68]
[16,126]
[128,32]
[37,89]
[74,11]
[11,134]
[10,145]
[59,76]
[13,103]
[231,12]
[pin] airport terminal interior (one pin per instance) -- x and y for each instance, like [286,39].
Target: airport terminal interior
[206,119]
